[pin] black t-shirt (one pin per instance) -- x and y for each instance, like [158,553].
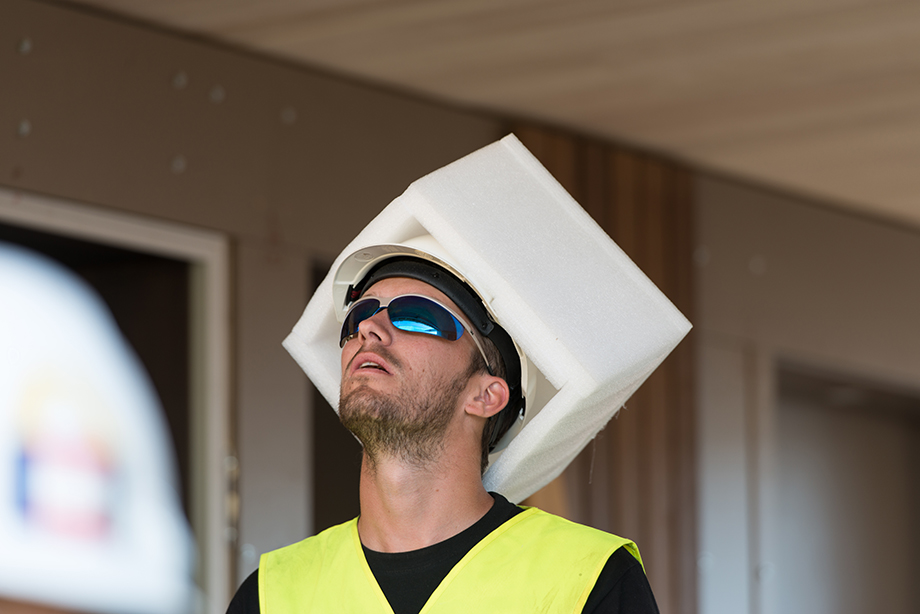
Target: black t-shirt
[407,579]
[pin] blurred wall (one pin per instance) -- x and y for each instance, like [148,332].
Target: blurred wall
[783,284]
[287,162]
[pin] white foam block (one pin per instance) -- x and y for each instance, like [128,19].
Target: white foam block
[589,320]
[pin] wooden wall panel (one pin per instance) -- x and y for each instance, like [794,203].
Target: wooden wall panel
[637,478]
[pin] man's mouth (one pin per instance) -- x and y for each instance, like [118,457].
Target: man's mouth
[370,362]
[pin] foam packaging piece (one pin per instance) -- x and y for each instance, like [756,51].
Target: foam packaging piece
[593,325]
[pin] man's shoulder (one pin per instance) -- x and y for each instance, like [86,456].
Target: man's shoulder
[549,527]
[538,519]
[307,550]
[620,584]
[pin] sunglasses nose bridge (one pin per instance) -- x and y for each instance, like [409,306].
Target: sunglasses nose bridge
[376,324]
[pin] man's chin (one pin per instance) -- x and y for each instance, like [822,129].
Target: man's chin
[363,400]
[405,424]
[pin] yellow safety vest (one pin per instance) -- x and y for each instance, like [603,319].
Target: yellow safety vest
[535,562]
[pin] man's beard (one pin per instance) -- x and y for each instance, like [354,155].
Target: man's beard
[409,425]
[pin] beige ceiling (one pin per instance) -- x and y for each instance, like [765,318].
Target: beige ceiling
[821,97]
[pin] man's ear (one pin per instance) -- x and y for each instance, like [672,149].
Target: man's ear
[490,398]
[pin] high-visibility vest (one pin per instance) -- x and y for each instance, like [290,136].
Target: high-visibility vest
[534,562]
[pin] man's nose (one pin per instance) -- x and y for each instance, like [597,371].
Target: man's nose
[377,326]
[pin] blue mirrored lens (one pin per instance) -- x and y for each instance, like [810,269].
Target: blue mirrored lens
[416,314]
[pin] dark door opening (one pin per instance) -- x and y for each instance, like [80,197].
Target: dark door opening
[336,459]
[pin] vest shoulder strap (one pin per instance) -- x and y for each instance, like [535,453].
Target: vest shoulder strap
[535,562]
[323,573]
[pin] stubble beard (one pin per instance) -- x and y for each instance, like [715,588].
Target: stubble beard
[409,425]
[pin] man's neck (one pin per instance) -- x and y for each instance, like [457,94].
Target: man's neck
[405,507]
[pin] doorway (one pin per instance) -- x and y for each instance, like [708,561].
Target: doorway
[848,483]
[336,458]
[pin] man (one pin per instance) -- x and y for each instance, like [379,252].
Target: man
[438,387]
[420,404]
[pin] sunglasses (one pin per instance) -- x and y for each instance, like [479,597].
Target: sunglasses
[411,313]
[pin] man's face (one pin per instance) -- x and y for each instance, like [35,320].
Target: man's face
[400,390]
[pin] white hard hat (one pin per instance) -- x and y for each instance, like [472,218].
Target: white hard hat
[424,259]
[89,516]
